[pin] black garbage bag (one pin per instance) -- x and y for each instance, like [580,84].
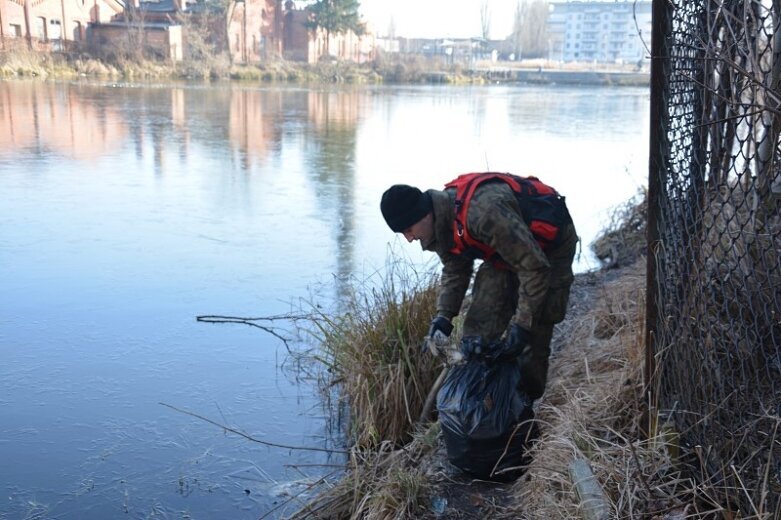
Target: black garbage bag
[486,418]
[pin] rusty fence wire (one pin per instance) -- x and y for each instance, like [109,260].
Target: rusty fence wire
[715,243]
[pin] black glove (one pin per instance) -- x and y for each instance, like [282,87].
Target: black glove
[441,324]
[438,334]
[473,347]
[517,341]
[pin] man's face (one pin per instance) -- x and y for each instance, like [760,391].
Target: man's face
[422,230]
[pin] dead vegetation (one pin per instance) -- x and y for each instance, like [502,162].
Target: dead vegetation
[371,349]
[592,411]
[623,239]
[726,344]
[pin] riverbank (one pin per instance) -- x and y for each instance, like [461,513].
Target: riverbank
[591,412]
[547,72]
[591,417]
[21,63]
[570,77]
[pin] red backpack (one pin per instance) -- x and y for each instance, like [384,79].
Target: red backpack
[542,208]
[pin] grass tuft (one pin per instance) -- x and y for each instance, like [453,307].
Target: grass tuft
[372,350]
[623,240]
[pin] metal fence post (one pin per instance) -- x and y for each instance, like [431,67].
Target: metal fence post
[656,172]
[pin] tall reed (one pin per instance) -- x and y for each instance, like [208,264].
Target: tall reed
[372,350]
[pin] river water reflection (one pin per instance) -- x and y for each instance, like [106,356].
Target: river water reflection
[127,210]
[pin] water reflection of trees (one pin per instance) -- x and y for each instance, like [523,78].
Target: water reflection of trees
[57,120]
[157,120]
[263,123]
[330,149]
[86,122]
[254,129]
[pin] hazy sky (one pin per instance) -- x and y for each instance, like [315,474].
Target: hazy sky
[438,18]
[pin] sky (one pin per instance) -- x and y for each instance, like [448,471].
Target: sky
[438,18]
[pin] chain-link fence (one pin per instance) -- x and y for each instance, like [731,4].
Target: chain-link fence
[715,236]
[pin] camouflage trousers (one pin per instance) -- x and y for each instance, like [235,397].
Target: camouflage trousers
[495,296]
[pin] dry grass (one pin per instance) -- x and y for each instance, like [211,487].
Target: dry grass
[623,240]
[593,410]
[726,343]
[372,350]
[380,484]
[18,61]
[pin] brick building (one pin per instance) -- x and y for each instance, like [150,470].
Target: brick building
[252,31]
[161,38]
[64,24]
[53,24]
[300,43]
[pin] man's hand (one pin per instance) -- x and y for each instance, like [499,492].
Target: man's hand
[516,343]
[473,347]
[438,335]
[518,340]
[442,325]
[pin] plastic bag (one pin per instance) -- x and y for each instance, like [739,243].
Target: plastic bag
[483,412]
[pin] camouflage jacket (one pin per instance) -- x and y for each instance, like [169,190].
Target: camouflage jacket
[494,218]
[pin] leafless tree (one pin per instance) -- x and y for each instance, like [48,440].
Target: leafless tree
[529,36]
[485,20]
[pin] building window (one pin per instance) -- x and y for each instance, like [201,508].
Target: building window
[16,30]
[55,34]
[77,32]
[40,28]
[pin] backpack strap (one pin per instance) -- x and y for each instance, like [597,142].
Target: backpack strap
[525,188]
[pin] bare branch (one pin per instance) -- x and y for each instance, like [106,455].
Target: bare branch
[250,437]
[637,28]
[251,323]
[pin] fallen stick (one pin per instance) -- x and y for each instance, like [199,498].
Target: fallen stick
[432,396]
[250,322]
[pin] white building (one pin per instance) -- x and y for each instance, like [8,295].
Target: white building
[607,31]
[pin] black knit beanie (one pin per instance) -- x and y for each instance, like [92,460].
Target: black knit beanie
[403,206]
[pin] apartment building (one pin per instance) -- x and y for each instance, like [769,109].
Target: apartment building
[603,31]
